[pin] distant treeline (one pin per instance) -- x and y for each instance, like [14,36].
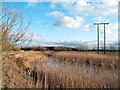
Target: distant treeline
[58,49]
[49,49]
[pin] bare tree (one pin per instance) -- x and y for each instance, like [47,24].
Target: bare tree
[82,46]
[102,47]
[112,47]
[14,26]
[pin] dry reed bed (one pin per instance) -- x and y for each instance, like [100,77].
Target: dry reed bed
[60,78]
[104,66]
[32,56]
[28,57]
[80,58]
[15,66]
[54,78]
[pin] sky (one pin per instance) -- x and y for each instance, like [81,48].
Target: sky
[71,22]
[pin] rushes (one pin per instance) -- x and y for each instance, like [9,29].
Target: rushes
[55,78]
[81,58]
[75,70]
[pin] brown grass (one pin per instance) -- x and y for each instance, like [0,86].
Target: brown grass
[101,73]
[64,79]
[105,77]
[92,59]
[14,76]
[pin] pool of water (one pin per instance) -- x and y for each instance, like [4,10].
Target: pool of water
[50,64]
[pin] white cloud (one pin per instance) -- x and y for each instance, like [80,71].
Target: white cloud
[39,35]
[111,32]
[111,27]
[56,13]
[113,36]
[35,36]
[114,26]
[110,2]
[102,19]
[80,7]
[86,28]
[32,4]
[66,21]
[53,5]
[105,8]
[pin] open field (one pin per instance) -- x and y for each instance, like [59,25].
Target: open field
[66,69]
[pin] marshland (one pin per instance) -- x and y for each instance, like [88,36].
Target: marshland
[59,44]
[44,69]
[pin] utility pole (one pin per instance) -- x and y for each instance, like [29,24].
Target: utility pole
[104,35]
[98,36]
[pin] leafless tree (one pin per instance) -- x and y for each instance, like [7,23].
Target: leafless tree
[101,47]
[13,26]
[112,47]
[82,46]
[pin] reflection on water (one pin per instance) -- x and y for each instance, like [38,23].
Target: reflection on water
[51,64]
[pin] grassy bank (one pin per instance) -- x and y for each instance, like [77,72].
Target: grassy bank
[14,74]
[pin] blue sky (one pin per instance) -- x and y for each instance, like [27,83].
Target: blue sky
[71,21]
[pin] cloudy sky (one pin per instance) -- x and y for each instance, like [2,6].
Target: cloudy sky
[66,21]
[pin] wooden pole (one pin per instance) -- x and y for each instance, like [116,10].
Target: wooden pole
[98,38]
[104,36]
[104,41]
